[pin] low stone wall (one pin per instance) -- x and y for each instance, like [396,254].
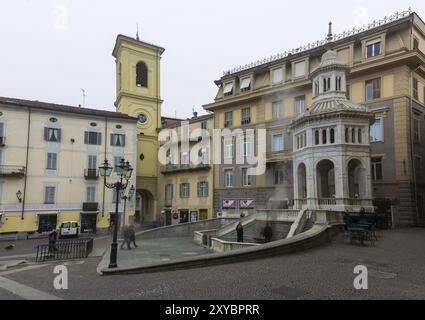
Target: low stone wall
[218,245]
[183,230]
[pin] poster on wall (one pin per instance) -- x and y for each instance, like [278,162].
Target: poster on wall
[247,204]
[229,204]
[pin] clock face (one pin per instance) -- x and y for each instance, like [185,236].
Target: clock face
[142,118]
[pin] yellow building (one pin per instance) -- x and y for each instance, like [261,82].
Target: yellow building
[138,95]
[49,159]
[185,184]
[386,73]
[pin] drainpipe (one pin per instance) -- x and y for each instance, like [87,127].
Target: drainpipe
[26,164]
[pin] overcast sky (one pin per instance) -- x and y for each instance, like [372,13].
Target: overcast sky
[51,49]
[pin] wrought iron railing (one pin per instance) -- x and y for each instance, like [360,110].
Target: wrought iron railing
[184,167]
[91,174]
[64,250]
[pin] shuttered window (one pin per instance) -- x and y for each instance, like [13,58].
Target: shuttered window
[91,193]
[203,189]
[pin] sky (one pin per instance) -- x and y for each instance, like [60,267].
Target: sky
[50,50]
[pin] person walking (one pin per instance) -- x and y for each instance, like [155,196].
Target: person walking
[126,235]
[53,236]
[239,232]
[268,233]
[132,235]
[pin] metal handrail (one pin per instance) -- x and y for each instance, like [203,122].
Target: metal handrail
[64,250]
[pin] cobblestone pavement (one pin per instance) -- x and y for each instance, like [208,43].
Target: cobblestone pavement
[396,271]
[154,251]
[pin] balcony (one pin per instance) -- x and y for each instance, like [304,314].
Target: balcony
[175,168]
[91,174]
[12,171]
[168,202]
[90,206]
[2,141]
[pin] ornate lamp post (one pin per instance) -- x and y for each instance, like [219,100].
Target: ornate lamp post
[123,170]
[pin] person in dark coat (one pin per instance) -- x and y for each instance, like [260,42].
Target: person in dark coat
[126,235]
[132,235]
[239,231]
[268,232]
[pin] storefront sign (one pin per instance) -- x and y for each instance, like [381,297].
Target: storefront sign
[229,204]
[247,204]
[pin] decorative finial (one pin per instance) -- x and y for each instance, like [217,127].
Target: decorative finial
[330,35]
[137,33]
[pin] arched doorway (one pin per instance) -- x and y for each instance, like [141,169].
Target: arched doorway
[302,181]
[356,179]
[144,206]
[326,179]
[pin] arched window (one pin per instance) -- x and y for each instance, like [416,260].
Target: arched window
[316,133]
[346,135]
[141,75]
[332,137]
[353,135]
[360,135]
[324,138]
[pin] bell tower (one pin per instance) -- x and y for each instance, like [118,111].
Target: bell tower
[138,95]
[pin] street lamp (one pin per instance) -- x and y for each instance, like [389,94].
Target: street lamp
[19,195]
[123,170]
[125,197]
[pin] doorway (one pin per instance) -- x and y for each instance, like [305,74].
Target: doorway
[47,222]
[88,222]
[184,216]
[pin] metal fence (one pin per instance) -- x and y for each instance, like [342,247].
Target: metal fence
[64,250]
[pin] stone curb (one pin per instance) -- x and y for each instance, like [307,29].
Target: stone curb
[318,235]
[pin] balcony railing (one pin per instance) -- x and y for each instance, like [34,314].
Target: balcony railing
[168,202]
[173,168]
[90,206]
[91,174]
[12,171]
[2,141]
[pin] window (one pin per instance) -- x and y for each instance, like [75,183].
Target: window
[316,88]
[416,131]
[300,69]
[278,177]
[376,131]
[324,137]
[228,178]
[326,84]
[415,44]
[359,135]
[373,48]
[2,142]
[52,134]
[277,76]
[228,149]
[277,142]
[353,135]
[117,140]
[246,152]
[338,81]
[228,89]
[184,190]
[92,162]
[203,155]
[51,161]
[92,138]
[203,189]
[277,109]
[141,75]
[91,193]
[246,84]
[346,135]
[376,169]
[332,135]
[299,103]
[246,116]
[246,178]
[184,159]
[228,119]
[316,137]
[373,89]
[204,125]
[168,192]
[49,194]
[415,88]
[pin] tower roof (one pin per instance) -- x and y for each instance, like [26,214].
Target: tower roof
[329,61]
[121,38]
